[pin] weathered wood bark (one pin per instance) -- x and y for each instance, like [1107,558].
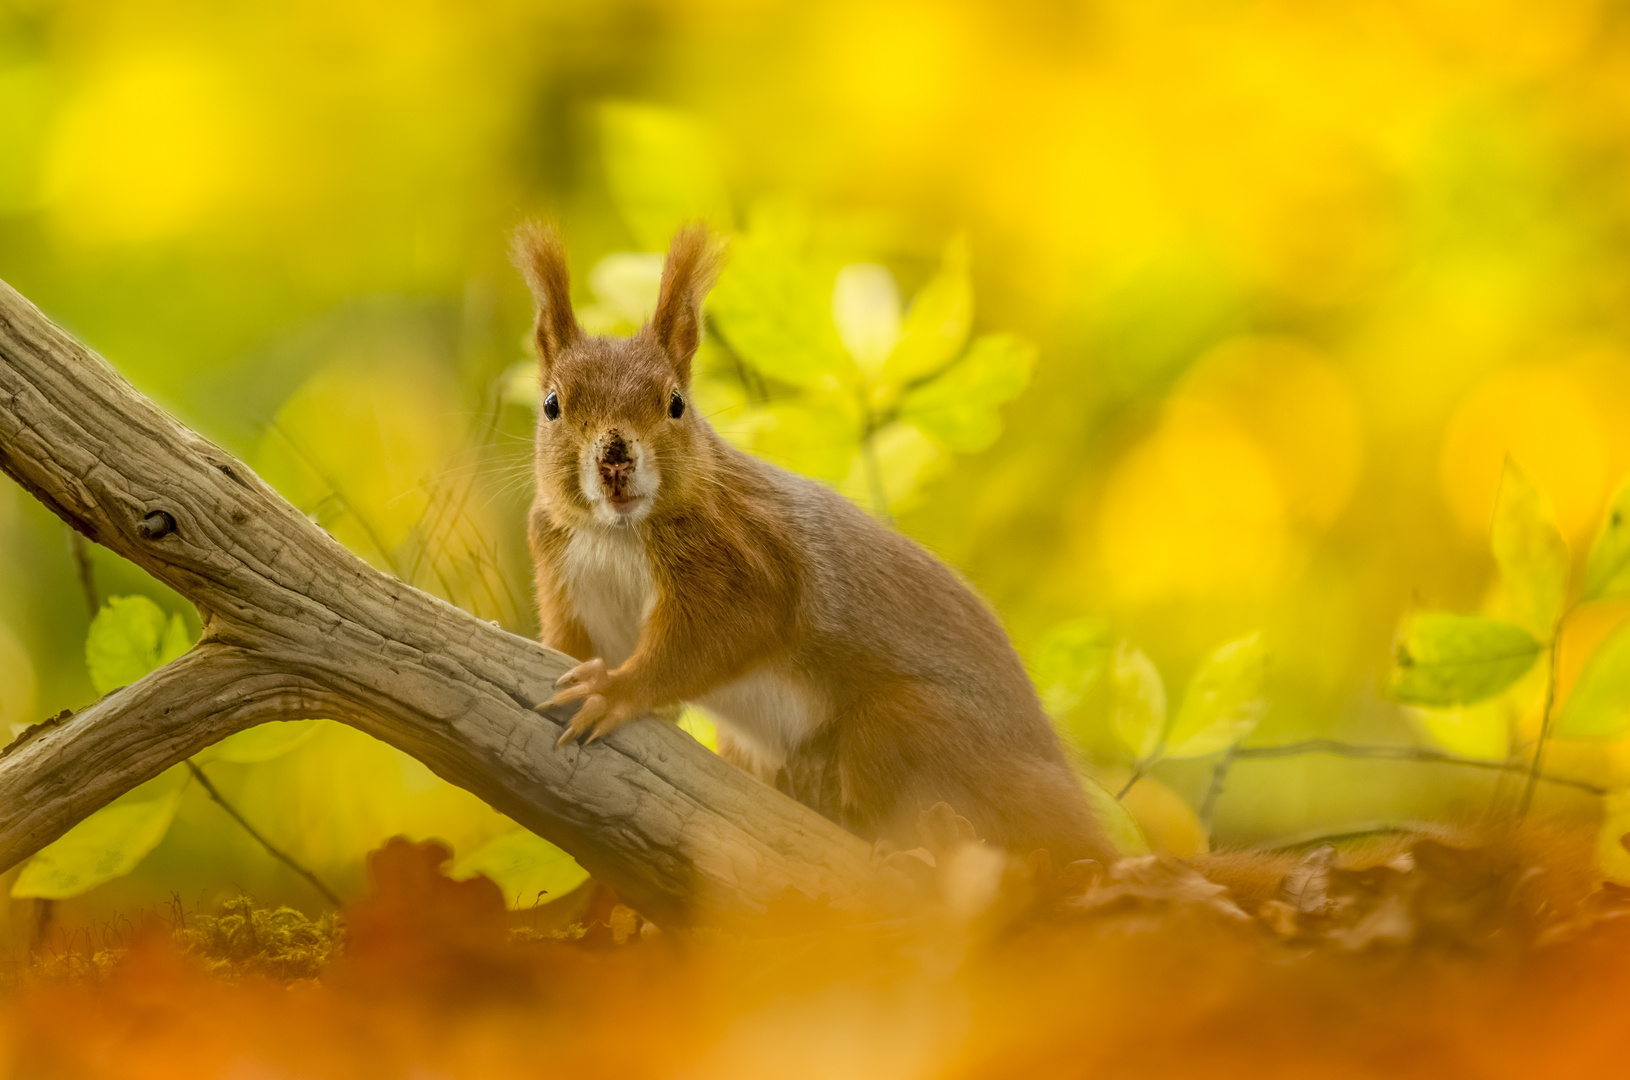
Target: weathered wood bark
[295,626]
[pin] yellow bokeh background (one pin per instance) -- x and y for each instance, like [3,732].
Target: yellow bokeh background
[1300,280]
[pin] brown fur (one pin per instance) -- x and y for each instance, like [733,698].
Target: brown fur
[756,573]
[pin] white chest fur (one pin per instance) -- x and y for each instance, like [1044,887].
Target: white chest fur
[608,578]
[769,712]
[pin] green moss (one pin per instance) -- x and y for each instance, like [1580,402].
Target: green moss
[243,939]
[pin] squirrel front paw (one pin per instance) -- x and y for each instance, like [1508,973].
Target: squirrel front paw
[603,708]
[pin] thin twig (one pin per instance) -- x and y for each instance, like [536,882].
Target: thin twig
[275,852]
[1131,781]
[1403,753]
[87,572]
[1219,777]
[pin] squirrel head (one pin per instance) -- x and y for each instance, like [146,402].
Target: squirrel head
[616,427]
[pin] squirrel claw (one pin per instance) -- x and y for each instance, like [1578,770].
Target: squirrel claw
[593,708]
[603,709]
[589,671]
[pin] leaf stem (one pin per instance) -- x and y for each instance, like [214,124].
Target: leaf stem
[1544,720]
[275,852]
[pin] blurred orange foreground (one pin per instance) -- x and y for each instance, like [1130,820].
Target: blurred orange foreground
[1499,959]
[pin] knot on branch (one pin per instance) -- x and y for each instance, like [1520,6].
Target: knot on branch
[155,526]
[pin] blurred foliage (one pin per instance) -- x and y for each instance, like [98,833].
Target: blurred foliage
[1170,326]
[106,845]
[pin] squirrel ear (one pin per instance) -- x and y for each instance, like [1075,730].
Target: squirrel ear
[541,259]
[687,275]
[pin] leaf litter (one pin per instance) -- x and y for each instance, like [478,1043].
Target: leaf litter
[1489,953]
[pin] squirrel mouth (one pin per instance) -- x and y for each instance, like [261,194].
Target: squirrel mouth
[621,502]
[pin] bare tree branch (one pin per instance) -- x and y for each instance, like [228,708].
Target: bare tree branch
[296,626]
[1394,753]
[58,772]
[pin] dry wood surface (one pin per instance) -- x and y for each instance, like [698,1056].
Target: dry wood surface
[296,626]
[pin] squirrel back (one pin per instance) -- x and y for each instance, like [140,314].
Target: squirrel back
[841,661]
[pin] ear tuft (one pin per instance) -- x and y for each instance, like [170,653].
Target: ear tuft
[687,275]
[541,258]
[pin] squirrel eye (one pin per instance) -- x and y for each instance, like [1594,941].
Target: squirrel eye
[551,406]
[676,405]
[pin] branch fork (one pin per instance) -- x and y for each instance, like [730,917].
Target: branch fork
[295,626]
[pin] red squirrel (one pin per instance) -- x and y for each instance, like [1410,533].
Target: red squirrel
[842,662]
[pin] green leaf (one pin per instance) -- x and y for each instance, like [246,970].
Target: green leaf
[529,869]
[1607,569]
[106,845]
[1137,708]
[1598,707]
[1458,659]
[661,170]
[130,637]
[866,312]
[959,407]
[1531,553]
[774,307]
[1224,702]
[263,742]
[1120,827]
[1072,665]
[936,328]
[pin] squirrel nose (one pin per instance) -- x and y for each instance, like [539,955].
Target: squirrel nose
[616,462]
[615,451]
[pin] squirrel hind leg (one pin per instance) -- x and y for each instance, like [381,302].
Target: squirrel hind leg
[893,763]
